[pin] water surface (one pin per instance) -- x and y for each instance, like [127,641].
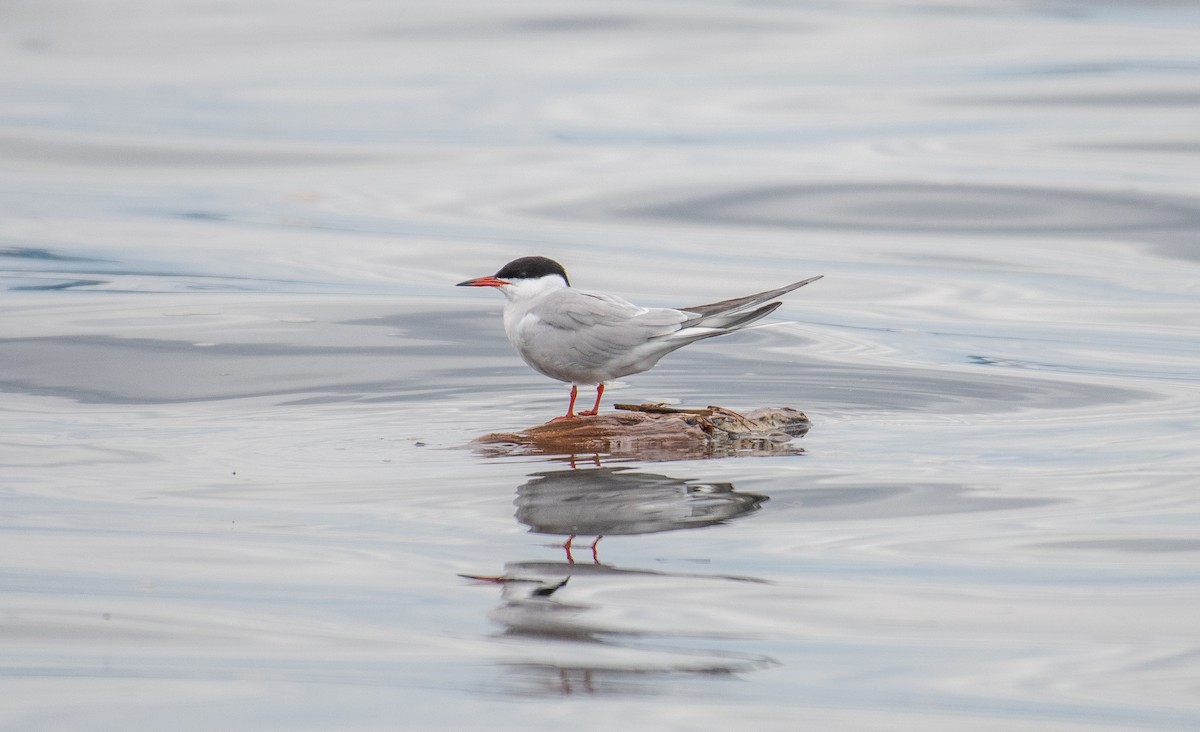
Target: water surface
[239,388]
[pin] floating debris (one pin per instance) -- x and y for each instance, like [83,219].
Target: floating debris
[658,432]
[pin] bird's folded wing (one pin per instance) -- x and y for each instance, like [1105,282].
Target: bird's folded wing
[597,327]
[741,303]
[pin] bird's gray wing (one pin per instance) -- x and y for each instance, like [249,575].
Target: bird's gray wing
[594,328]
[726,307]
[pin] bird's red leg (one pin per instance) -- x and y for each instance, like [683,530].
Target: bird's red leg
[570,406]
[567,545]
[595,407]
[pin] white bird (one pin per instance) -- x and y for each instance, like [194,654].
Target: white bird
[586,338]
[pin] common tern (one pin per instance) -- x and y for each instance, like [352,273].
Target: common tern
[587,338]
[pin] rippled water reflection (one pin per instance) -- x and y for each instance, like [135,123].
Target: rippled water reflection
[240,389]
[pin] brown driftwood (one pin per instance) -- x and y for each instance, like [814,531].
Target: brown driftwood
[658,432]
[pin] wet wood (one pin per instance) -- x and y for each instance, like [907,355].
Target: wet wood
[658,432]
[663,409]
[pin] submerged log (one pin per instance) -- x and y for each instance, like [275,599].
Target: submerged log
[658,432]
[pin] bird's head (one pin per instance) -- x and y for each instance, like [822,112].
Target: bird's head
[524,278]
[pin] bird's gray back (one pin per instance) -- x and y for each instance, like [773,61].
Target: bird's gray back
[588,337]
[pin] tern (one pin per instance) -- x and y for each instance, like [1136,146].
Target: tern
[587,338]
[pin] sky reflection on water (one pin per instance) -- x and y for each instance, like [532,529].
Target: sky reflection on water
[240,389]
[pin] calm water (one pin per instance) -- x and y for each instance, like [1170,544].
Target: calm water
[239,387]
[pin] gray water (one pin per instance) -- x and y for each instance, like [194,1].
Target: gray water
[239,388]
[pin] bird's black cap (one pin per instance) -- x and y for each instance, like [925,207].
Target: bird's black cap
[530,268]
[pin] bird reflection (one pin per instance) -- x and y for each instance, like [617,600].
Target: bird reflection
[619,501]
[567,645]
[560,635]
